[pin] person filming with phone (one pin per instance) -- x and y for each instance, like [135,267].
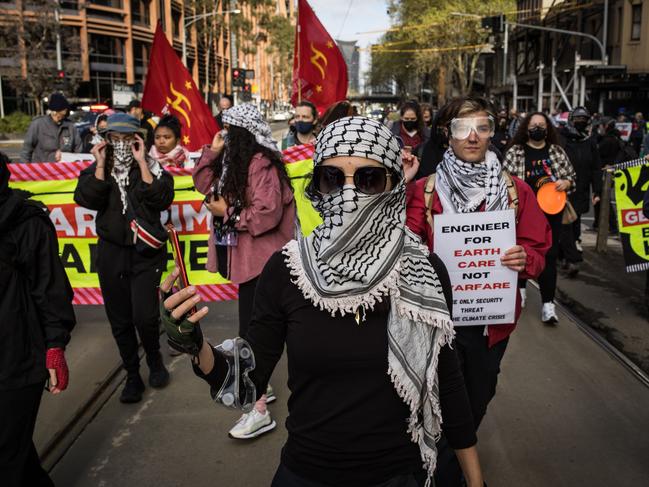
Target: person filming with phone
[249,194]
[129,189]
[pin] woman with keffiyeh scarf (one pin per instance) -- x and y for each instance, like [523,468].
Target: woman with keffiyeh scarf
[249,195]
[363,311]
[122,182]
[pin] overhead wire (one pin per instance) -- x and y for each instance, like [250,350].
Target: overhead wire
[342,26]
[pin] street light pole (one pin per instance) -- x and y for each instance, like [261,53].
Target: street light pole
[195,18]
[57,19]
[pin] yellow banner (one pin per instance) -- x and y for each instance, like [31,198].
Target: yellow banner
[631,184]
[75,228]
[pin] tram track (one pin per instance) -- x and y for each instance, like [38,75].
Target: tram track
[56,448]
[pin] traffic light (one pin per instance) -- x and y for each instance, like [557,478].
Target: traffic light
[60,80]
[496,24]
[238,77]
[246,92]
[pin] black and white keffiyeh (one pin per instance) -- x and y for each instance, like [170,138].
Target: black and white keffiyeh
[248,117]
[363,253]
[122,164]
[463,186]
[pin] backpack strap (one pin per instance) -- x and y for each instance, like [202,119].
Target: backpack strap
[512,192]
[429,189]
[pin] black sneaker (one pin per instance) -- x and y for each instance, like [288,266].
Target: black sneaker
[133,389]
[158,375]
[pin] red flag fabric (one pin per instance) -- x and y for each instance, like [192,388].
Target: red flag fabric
[319,69]
[170,89]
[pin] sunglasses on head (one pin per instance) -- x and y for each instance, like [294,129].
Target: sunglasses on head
[368,180]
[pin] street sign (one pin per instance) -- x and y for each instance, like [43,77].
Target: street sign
[122,95]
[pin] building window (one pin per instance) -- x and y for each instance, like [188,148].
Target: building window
[619,25]
[161,13]
[140,11]
[175,22]
[636,21]
[106,50]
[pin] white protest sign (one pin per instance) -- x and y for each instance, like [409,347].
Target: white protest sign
[76,157]
[471,245]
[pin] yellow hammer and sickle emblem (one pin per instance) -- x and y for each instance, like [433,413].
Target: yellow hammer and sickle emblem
[318,56]
[175,104]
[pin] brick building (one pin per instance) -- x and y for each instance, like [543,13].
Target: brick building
[115,38]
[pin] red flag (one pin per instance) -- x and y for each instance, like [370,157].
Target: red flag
[319,69]
[170,89]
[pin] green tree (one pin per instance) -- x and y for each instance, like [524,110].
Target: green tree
[428,37]
[31,45]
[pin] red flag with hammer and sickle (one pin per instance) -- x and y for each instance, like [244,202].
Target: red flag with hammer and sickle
[170,89]
[319,69]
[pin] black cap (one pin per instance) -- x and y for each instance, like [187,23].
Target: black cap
[57,102]
[580,112]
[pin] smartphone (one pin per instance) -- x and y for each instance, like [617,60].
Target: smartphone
[407,149]
[183,282]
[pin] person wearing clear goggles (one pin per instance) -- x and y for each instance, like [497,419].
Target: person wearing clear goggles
[470,179]
[464,128]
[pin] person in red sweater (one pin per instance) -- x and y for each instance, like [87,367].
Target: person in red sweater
[470,179]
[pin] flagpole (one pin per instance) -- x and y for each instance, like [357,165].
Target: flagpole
[299,57]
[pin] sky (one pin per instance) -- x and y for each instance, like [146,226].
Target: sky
[364,16]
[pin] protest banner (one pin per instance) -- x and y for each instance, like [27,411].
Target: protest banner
[53,184]
[471,245]
[298,161]
[631,183]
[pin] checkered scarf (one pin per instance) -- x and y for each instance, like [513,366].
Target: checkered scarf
[463,186]
[363,253]
[248,117]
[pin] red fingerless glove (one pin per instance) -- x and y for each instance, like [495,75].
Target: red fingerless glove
[55,359]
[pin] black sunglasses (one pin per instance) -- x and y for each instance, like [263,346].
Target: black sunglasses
[368,179]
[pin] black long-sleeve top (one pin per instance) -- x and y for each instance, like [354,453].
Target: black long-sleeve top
[36,310]
[347,426]
[104,197]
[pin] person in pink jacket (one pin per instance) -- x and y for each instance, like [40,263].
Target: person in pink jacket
[249,195]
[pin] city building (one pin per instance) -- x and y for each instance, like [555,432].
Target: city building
[115,36]
[351,54]
[602,62]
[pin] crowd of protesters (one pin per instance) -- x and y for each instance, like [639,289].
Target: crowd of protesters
[362,295]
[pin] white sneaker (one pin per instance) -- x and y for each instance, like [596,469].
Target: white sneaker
[523,292]
[580,249]
[270,394]
[251,425]
[549,314]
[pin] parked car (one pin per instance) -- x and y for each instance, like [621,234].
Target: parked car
[281,116]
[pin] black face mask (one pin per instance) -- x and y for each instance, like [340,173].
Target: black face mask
[538,134]
[410,125]
[304,127]
[581,126]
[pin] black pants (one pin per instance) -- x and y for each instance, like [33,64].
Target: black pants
[19,463]
[286,478]
[246,303]
[567,243]
[548,278]
[480,366]
[129,283]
